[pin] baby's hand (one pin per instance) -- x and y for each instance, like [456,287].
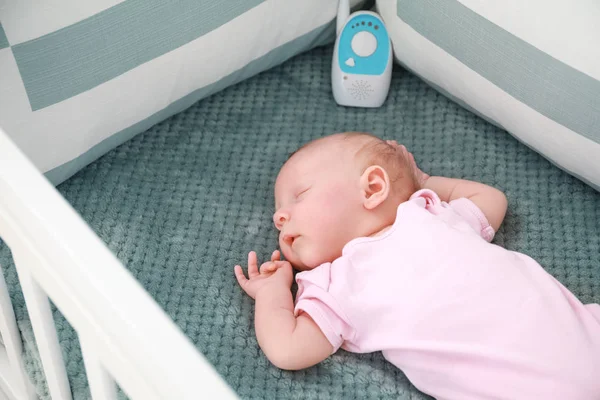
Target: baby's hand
[274,272]
[420,176]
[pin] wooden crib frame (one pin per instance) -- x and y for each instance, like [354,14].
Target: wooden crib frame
[126,338]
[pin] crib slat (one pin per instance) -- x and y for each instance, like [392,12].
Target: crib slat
[12,342]
[38,307]
[102,385]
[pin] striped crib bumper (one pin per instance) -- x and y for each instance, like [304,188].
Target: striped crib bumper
[531,68]
[79,78]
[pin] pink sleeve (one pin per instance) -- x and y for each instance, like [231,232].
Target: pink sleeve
[463,208]
[474,216]
[313,298]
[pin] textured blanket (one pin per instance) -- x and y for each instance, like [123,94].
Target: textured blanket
[182,203]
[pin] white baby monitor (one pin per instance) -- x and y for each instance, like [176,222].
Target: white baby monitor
[362,59]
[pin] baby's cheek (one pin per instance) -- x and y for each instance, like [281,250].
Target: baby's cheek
[334,199]
[289,255]
[327,226]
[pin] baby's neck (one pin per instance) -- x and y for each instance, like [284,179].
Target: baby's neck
[386,219]
[381,231]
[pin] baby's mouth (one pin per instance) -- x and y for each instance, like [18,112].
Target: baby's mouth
[289,239]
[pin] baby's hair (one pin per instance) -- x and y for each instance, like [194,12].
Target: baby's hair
[376,151]
[373,150]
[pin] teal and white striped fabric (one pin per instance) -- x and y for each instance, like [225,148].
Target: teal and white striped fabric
[530,67]
[77,78]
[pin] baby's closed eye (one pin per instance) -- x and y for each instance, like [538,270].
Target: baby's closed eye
[301,193]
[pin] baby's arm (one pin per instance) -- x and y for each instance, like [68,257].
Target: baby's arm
[491,201]
[289,342]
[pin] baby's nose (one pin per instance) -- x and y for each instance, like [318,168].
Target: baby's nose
[280,218]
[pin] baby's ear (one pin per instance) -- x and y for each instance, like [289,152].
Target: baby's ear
[375,186]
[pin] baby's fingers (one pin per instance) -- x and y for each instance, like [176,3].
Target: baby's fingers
[243,281]
[239,274]
[275,256]
[252,266]
[268,267]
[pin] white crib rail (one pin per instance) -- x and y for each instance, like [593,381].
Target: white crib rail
[125,336]
[13,379]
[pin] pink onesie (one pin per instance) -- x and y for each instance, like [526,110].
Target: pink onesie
[463,318]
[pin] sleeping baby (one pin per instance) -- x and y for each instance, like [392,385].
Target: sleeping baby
[396,261]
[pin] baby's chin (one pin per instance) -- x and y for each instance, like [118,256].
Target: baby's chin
[302,267]
[302,262]
[297,262]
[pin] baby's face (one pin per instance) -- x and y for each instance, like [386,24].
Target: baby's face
[318,203]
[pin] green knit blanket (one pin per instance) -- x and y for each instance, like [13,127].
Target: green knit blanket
[183,202]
